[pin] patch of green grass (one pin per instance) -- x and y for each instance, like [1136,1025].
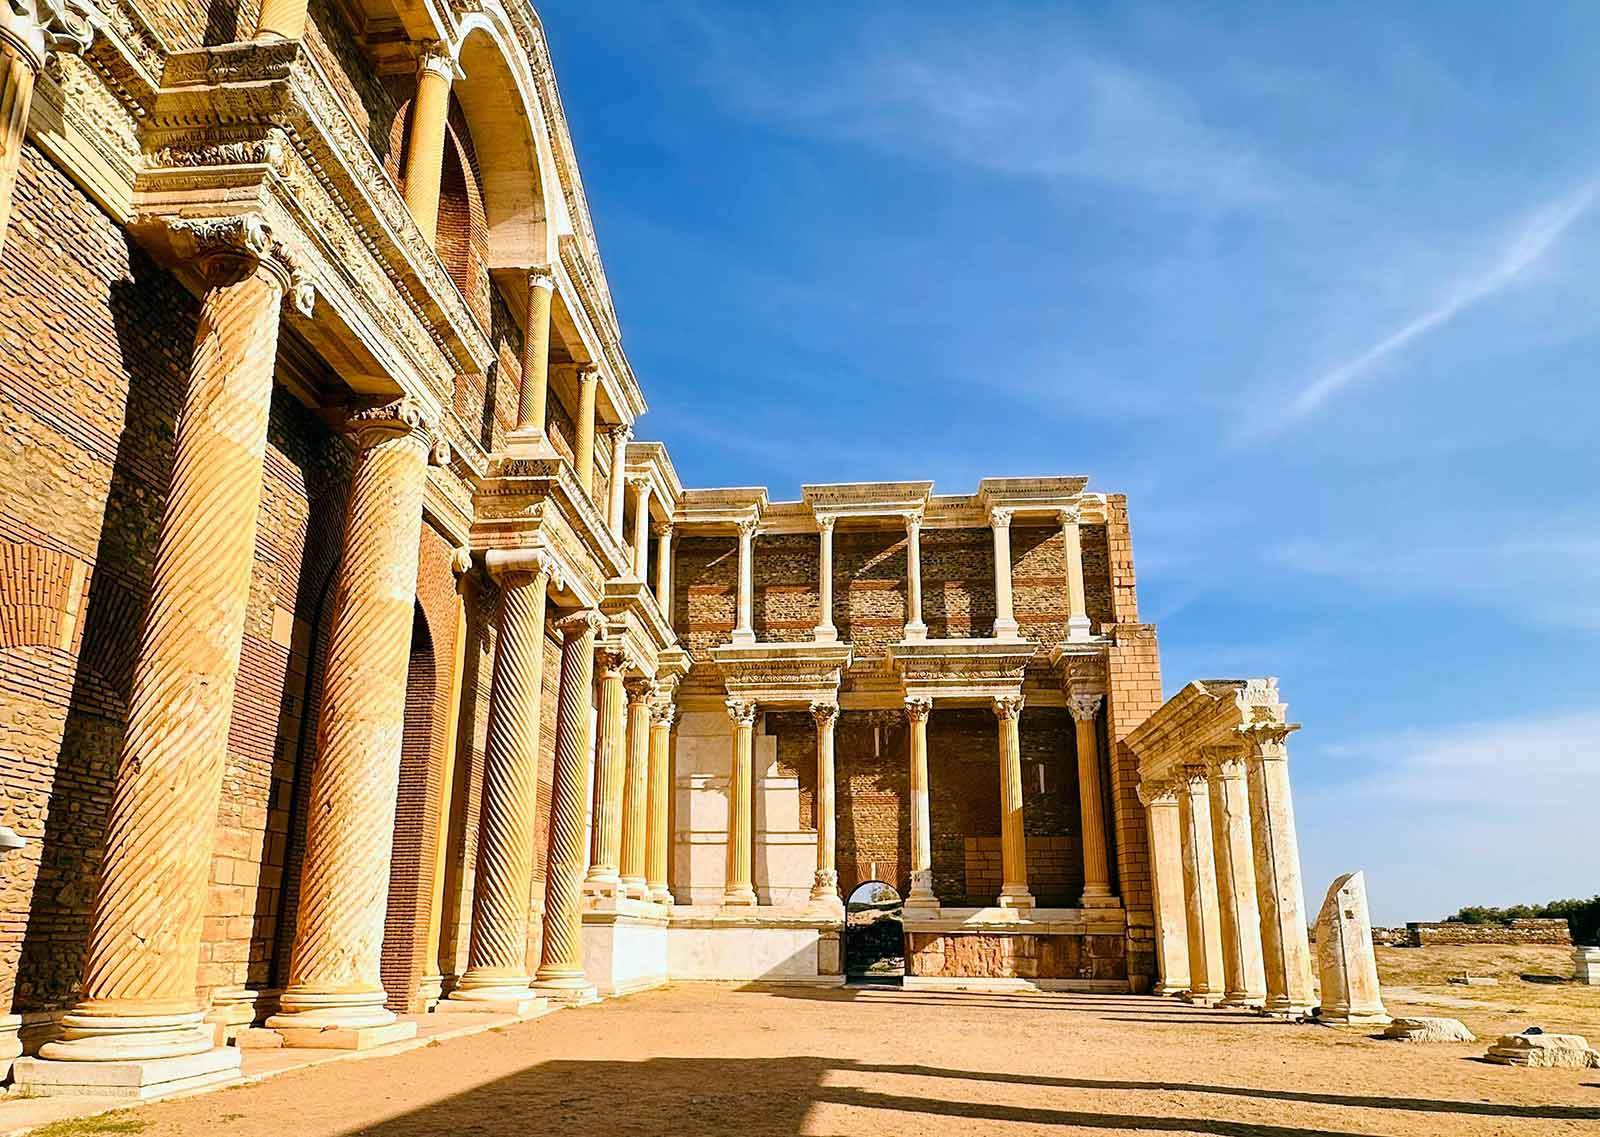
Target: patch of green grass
[91,1126]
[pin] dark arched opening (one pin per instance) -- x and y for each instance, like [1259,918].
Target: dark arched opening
[874,934]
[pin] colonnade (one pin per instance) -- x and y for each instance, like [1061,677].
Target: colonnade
[1229,911]
[918,708]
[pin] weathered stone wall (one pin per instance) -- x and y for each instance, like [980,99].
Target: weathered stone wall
[969,955]
[1424,934]
[957,582]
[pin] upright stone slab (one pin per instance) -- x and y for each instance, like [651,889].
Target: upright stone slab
[1349,970]
[1586,966]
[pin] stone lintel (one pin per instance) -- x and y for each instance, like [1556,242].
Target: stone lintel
[720,510]
[783,674]
[1081,666]
[974,670]
[631,611]
[536,502]
[867,503]
[1033,499]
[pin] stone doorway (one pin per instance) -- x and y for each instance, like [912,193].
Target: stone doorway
[874,935]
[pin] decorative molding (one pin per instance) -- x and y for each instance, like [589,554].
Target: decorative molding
[585,621]
[378,421]
[1084,707]
[741,711]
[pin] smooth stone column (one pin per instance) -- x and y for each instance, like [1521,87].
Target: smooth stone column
[430,111]
[496,978]
[611,764]
[1077,607]
[1013,841]
[1005,618]
[636,790]
[528,437]
[1091,803]
[139,1004]
[826,632]
[921,895]
[1166,886]
[915,628]
[31,33]
[620,436]
[743,630]
[664,571]
[825,887]
[1285,949]
[335,996]
[641,526]
[1245,983]
[560,975]
[740,892]
[658,838]
[1199,889]
[583,448]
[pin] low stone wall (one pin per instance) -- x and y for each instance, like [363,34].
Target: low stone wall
[1516,932]
[1010,956]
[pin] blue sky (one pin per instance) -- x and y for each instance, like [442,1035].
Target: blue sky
[1313,285]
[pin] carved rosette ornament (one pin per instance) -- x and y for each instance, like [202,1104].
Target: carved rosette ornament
[32,32]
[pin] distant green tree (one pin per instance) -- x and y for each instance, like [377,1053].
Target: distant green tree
[1582,916]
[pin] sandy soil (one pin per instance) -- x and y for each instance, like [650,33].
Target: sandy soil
[1416,979]
[724,1060]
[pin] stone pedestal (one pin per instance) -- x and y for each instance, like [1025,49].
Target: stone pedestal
[1166,884]
[10,1042]
[1001,949]
[1275,849]
[769,945]
[138,1081]
[625,950]
[1586,966]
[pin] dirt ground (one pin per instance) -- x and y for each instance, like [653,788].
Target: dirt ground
[714,1059]
[1417,980]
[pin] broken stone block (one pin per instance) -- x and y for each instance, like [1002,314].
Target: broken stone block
[1345,958]
[1586,965]
[1571,1051]
[1428,1028]
[1468,980]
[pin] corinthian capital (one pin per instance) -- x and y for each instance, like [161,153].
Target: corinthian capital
[542,277]
[747,526]
[824,713]
[435,56]
[230,248]
[1084,707]
[584,622]
[42,29]
[1007,707]
[918,708]
[380,420]
[741,711]
[1000,518]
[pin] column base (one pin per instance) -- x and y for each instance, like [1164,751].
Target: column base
[921,902]
[134,1080]
[522,1004]
[743,636]
[1078,629]
[1006,629]
[10,1042]
[1101,899]
[1202,998]
[1171,990]
[90,1037]
[1253,1002]
[661,894]
[567,991]
[337,1020]
[1019,898]
[431,989]
[740,897]
[827,634]
[635,888]
[1291,1011]
[345,1038]
[528,442]
[916,633]
[1350,1018]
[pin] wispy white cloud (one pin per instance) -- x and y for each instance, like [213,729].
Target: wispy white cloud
[1551,576]
[1528,243]
[1024,96]
[1488,812]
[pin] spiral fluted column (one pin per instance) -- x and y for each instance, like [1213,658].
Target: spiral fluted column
[1013,840]
[636,789]
[497,973]
[1097,893]
[139,999]
[611,764]
[740,891]
[825,886]
[334,978]
[430,112]
[659,834]
[560,973]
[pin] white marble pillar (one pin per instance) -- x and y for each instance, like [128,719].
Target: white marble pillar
[1077,607]
[664,571]
[825,633]
[1199,888]
[1085,710]
[915,628]
[1166,886]
[1285,948]
[641,526]
[1013,838]
[825,887]
[744,629]
[620,434]
[1005,616]
[740,891]
[1245,983]
[921,895]
[583,448]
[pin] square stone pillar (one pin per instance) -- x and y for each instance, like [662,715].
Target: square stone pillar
[1275,847]
[1166,885]
[1200,889]
[1240,923]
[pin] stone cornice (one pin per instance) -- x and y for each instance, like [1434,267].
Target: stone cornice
[650,459]
[974,669]
[722,509]
[786,674]
[1206,717]
[883,505]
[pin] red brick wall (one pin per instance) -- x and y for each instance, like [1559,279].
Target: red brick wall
[785,602]
[869,585]
[705,587]
[958,582]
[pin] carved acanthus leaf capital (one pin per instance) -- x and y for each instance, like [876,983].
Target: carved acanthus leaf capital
[461,560]
[918,708]
[584,622]
[741,711]
[612,660]
[620,434]
[1153,793]
[1084,707]
[747,526]
[1067,517]
[640,689]
[380,420]
[229,248]
[661,529]
[435,56]
[825,713]
[588,375]
[825,522]
[664,714]
[913,521]
[1007,707]
[1000,518]
[542,277]
[42,29]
